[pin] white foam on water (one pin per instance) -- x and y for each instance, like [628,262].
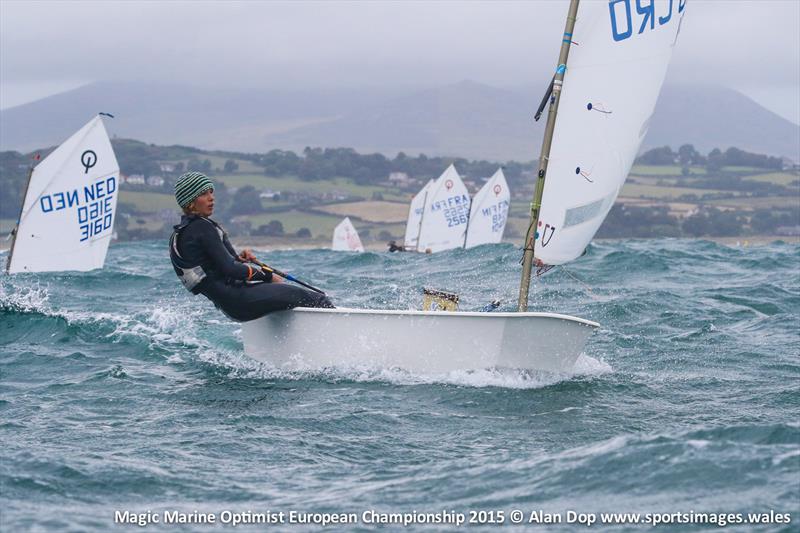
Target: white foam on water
[164,324]
[778,459]
[33,298]
[586,365]
[245,367]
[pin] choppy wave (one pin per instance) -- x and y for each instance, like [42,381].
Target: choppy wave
[118,390]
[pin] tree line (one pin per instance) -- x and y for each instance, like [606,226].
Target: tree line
[715,160]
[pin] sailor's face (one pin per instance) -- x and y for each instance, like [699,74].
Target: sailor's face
[204,204]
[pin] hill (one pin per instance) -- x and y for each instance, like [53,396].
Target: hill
[465,119]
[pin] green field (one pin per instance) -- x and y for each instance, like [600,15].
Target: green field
[782,202]
[295,184]
[742,170]
[663,170]
[636,190]
[779,178]
[148,202]
[218,162]
[321,226]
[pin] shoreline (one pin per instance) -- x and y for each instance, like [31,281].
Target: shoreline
[266,243]
[269,244]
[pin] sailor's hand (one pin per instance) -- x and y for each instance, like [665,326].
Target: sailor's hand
[276,278]
[538,262]
[247,256]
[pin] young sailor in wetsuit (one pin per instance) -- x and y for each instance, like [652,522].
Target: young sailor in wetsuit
[207,264]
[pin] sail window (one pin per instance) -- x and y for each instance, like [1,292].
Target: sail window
[582,213]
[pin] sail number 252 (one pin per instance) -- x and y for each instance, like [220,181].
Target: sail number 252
[622,16]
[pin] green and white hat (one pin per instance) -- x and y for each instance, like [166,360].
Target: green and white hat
[190,186]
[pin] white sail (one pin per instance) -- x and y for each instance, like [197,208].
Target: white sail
[68,212]
[444,222]
[614,73]
[489,212]
[345,238]
[415,211]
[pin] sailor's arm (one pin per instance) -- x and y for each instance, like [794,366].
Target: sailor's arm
[227,263]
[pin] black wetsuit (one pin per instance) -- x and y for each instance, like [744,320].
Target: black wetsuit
[200,241]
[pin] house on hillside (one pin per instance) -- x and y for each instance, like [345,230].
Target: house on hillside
[269,194]
[155,181]
[788,164]
[167,167]
[135,179]
[399,179]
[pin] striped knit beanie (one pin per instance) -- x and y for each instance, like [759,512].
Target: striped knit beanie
[190,186]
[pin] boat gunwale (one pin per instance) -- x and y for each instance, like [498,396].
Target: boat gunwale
[447,314]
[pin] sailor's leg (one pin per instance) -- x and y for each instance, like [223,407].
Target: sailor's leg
[248,302]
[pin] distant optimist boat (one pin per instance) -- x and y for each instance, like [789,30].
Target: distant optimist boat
[444,220]
[345,238]
[600,100]
[489,212]
[67,215]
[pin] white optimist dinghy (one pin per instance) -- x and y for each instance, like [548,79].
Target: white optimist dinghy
[345,238]
[67,215]
[603,98]
[415,214]
[489,212]
[443,225]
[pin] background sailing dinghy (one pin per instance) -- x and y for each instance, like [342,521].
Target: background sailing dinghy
[345,238]
[444,219]
[489,212]
[603,98]
[67,215]
[415,212]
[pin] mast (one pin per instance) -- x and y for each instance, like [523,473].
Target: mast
[422,217]
[19,219]
[466,231]
[536,204]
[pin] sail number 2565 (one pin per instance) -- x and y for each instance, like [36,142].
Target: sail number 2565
[456,216]
[622,16]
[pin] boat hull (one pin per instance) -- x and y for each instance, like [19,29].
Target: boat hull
[417,341]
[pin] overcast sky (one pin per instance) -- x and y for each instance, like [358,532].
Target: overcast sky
[48,47]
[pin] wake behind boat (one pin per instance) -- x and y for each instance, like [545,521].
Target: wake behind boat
[600,103]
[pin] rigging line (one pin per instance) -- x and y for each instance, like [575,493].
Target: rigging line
[584,285]
[527,246]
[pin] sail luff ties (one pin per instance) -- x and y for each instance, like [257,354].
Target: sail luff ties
[532,233]
[14,231]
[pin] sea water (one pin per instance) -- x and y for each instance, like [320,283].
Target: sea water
[124,399]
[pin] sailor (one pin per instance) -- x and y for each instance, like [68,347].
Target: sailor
[207,264]
[394,247]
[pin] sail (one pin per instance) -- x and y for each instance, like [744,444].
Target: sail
[415,211]
[444,221]
[617,64]
[345,238]
[489,212]
[68,212]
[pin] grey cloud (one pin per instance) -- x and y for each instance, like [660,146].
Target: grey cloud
[735,43]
